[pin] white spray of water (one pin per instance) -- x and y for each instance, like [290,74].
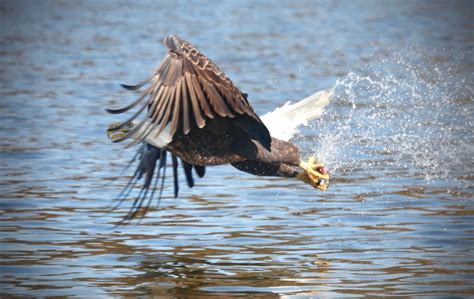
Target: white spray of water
[403,117]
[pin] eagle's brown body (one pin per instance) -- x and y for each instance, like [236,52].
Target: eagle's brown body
[220,142]
[212,145]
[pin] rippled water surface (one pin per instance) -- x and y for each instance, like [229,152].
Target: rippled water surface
[397,219]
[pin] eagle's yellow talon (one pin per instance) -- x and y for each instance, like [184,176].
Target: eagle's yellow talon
[314,174]
[322,187]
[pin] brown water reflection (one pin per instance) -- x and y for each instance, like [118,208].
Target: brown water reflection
[397,220]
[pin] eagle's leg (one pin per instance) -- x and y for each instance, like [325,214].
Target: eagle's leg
[267,169]
[283,153]
[314,173]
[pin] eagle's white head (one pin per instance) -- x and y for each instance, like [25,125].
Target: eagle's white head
[116,131]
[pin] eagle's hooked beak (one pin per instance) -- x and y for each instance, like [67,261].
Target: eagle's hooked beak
[115,132]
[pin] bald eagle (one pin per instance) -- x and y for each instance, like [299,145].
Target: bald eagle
[194,113]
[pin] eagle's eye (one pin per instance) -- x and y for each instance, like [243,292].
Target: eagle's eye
[130,124]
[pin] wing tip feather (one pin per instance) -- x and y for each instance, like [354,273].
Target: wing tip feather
[173,42]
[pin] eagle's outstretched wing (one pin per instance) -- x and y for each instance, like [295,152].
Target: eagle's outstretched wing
[185,91]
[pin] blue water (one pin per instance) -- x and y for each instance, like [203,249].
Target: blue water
[397,136]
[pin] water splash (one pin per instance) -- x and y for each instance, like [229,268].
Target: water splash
[410,115]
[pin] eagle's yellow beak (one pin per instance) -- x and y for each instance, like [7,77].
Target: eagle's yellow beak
[114,132]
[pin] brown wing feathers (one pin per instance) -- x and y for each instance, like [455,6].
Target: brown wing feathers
[188,87]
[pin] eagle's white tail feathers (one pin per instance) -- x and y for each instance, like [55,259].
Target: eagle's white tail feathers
[283,122]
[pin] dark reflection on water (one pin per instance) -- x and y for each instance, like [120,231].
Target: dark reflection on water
[397,219]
